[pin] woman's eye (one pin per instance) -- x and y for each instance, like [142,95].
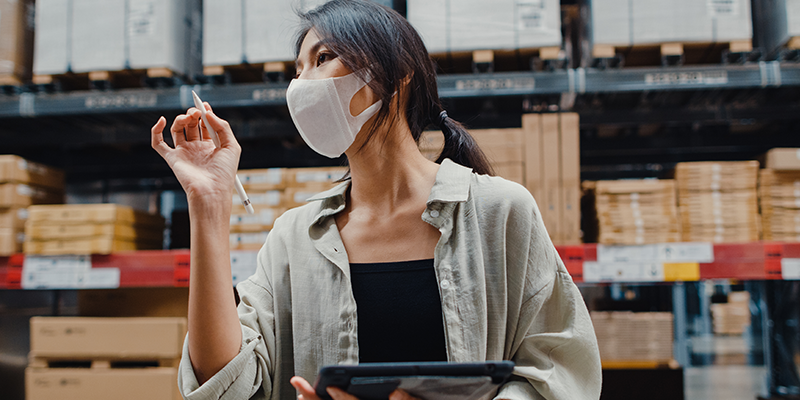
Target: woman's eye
[323,57]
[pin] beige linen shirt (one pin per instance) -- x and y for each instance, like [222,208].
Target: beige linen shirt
[505,295]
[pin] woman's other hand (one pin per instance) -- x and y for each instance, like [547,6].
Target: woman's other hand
[306,392]
[202,169]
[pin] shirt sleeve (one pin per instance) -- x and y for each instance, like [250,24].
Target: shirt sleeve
[251,370]
[554,347]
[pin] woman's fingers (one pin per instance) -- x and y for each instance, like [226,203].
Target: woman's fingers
[192,128]
[222,128]
[177,130]
[400,394]
[304,389]
[157,137]
[339,394]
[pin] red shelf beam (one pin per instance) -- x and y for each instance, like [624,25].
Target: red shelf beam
[170,268]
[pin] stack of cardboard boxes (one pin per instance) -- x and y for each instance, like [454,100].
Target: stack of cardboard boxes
[779,195]
[543,156]
[272,191]
[629,336]
[91,229]
[718,201]
[23,183]
[733,317]
[104,358]
[16,41]
[637,211]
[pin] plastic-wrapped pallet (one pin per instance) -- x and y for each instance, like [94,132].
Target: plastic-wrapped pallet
[627,23]
[112,35]
[466,25]
[250,31]
[16,41]
[778,22]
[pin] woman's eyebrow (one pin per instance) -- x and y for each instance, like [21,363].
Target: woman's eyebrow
[314,49]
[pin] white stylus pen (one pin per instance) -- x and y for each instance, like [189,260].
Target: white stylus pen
[238,184]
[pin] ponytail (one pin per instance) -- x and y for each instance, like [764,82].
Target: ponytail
[460,147]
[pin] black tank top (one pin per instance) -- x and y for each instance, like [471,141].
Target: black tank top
[399,312]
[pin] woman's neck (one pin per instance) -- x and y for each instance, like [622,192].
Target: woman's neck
[389,171]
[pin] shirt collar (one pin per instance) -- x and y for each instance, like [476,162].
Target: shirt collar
[451,186]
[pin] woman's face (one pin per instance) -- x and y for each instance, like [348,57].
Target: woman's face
[317,61]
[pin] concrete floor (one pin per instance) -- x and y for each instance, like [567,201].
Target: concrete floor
[724,382]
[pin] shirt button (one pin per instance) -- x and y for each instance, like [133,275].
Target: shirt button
[445,284]
[350,325]
[434,214]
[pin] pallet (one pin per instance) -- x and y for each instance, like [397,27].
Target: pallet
[130,78]
[89,362]
[248,73]
[481,61]
[640,364]
[676,53]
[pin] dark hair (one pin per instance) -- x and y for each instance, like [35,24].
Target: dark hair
[370,37]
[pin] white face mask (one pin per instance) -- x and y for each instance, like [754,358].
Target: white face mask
[320,109]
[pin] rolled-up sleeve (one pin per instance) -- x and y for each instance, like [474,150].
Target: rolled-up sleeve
[558,355]
[252,368]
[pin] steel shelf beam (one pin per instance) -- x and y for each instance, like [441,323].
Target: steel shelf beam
[577,81]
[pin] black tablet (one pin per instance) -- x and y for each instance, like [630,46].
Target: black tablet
[430,380]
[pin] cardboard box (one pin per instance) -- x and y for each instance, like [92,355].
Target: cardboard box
[261,200]
[16,169]
[296,197]
[720,176]
[118,338]
[552,211]
[501,145]
[116,231]
[91,245]
[13,218]
[570,178]
[783,159]
[81,214]
[534,162]
[15,195]
[263,179]
[112,383]
[322,178]
[16,41]
[248,240]
[466,25]
[11,241]
[261,221]
[513,171]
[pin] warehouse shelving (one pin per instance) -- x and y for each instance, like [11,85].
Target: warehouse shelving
[744,262]
[579,81]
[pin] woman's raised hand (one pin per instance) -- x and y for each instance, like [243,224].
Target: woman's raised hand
[203,170]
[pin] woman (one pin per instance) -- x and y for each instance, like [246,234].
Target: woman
[450,254]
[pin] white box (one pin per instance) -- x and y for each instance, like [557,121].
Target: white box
[466,25]
[112,35]
[158,34]
[98,35]
[623,22]
[251,31]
